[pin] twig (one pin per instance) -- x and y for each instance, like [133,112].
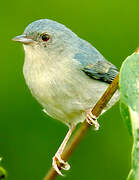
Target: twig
[96,111]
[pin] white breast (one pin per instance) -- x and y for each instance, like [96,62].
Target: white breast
[63,90]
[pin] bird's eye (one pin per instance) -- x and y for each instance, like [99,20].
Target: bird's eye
[45,37]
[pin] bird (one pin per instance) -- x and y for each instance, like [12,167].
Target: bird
[66,75]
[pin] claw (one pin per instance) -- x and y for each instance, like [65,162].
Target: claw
[92,120]
[64,164]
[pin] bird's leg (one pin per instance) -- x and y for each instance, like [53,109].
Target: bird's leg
[91,119]
[57,156]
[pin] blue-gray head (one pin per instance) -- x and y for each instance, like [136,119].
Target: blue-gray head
[46,34]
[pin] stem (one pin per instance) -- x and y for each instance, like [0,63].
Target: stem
[96,111]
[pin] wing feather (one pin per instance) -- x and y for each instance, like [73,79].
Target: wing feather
[94,64]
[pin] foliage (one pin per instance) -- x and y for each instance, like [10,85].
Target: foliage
[3,173]
[129,87]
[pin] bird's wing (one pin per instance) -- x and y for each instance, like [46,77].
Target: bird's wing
[94,64]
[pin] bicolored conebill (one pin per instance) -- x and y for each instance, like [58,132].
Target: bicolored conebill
[65,73]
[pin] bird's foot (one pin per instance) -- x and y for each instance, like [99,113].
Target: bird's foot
[91,119]
[64,165]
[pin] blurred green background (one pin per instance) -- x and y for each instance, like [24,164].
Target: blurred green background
[28,138]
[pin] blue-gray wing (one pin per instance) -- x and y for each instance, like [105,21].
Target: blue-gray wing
[94,64]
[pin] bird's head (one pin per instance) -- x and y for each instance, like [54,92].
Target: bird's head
[47,35]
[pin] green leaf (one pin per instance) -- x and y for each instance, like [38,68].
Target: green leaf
[129,89]
[3,173]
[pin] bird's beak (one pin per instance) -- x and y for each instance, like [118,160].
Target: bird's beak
[23,39]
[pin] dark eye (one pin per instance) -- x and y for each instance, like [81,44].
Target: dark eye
[45,37]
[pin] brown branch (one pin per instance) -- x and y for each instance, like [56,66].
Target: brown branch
[96,111]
